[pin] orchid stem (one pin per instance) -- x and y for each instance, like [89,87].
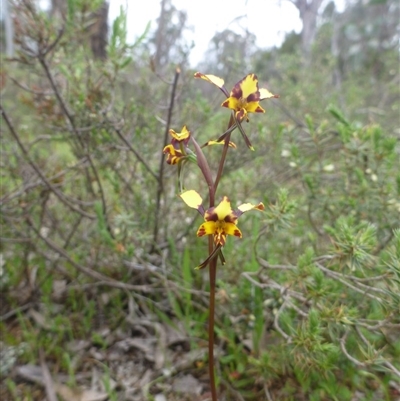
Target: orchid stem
[212,275]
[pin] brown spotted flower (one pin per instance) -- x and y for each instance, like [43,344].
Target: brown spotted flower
[174,154]
[219,221]
[244,98]
[177,150]
[182,136]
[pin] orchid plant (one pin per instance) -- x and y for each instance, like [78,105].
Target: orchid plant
[221,220]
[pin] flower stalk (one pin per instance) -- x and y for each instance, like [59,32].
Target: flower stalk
[220,220]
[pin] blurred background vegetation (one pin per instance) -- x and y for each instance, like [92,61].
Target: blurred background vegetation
[99,299]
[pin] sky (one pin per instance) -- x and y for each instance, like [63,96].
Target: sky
[269,20]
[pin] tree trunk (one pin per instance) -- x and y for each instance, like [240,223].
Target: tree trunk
[97,30]
[8,29]
[308,10]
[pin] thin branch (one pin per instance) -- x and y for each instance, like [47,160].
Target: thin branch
[38,170]
[160,188]
[16,311]
[276,323]
[342,343]
[137,155]
[107,281]
[70,119]
[338,277]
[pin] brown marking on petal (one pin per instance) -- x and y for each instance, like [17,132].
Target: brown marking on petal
[253,97]
[210,215]
[231,218]
[241,114]
[220,239]
[237,91]
[237,233]
[201,231]
[225,103]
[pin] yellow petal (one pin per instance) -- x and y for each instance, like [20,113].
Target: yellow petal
[180,136]
[173,155]
[232,103]
[254,107]
[222,229]
[249,206]
[223,210]
[207,228]
[210,78]
[266,94]
[231,144]
[248,85]
[232,229]
[192,199]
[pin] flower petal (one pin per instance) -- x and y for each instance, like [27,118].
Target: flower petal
[180,136]
[245,207]
[248,87]
[231,144]
[232,229]
[193,200]
[254,107]
[210,78]
[232,103]
[266,94]
[222,229]
[173,155]
[222,212]
[207,228]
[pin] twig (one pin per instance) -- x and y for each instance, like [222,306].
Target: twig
[342,343]
[368,345]
[160,187]
[70,119]
[267,393]
[47,380]
[38,170]
[137,155]
[276,323]
[15,311]
[107,281]
[337,277]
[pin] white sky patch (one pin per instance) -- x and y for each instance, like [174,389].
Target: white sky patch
[269,20]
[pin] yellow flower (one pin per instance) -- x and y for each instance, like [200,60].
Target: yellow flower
[174,154]
[219,221]
[244,98]
[182,136]
[177,150]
